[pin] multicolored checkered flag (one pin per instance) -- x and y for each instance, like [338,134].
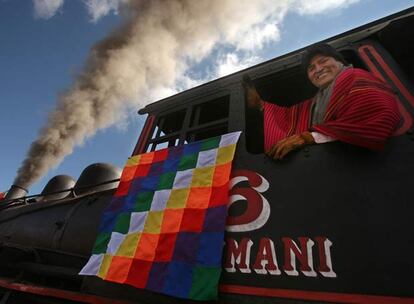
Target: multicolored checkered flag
[164,227]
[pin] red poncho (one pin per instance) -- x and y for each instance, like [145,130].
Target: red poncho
[362,111]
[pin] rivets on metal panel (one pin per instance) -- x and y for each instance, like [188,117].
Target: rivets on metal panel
[306,152]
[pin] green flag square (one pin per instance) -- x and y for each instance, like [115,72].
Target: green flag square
[188,162]
[101,243]
[166,181]
[122,223]
[143,202]
[205,283]
[210,143]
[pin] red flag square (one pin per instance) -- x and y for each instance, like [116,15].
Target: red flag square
[165,249]
[139,272]
[142,170]
[193,220]
[160,155]
[123,188]
[219,195]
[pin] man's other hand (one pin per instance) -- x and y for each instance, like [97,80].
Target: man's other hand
[284,146]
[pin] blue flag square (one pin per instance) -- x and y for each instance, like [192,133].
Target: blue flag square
[179,279]
[210,249]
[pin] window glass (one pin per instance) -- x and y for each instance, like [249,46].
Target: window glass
[210,111]
[170,123]
[207,120]
[207,132]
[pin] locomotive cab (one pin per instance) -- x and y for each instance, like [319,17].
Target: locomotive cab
[328,214]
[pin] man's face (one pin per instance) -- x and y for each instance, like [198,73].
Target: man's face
[322,70]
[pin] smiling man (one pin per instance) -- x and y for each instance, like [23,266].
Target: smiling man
[351,105]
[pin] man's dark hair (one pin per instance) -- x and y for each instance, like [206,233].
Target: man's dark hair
[320,49]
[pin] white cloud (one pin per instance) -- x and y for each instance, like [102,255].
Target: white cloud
[254,23]
[307,7]
[46,9]
[233,62]
[245,34]
[257,36]
[183,82]
[100,8]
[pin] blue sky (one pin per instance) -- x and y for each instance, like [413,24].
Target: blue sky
[42,51]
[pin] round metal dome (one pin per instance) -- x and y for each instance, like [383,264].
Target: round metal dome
[15,192]
[96,177]
[56,184]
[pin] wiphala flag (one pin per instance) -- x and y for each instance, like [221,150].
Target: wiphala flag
[164,227]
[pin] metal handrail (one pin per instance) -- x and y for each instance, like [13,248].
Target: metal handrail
[24,200]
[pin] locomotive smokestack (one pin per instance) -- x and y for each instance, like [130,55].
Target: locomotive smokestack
[15,192]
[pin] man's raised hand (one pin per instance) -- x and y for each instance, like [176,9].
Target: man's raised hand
[253,99]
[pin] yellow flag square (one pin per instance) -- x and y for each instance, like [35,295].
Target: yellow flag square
[225,154]
[106,262]
[153,222]
[129,244]
[133,161]
[178,198]
[202,177]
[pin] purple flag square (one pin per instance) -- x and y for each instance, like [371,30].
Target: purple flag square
[116,204]
[192,148]
[135,186]
[149,183]
[129,203]
[170,164]
[186,247]
[215,219]
[108,221]
[176,152]
[156,169]
[157,276]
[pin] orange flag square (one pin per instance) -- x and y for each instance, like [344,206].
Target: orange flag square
[119,269]
[147,244]
[128,173]
[146,158]
[199,197]
[221,175]
[172,220]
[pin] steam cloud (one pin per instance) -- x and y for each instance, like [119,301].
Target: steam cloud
[152,50]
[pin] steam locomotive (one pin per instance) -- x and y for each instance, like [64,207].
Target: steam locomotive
[330,223]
